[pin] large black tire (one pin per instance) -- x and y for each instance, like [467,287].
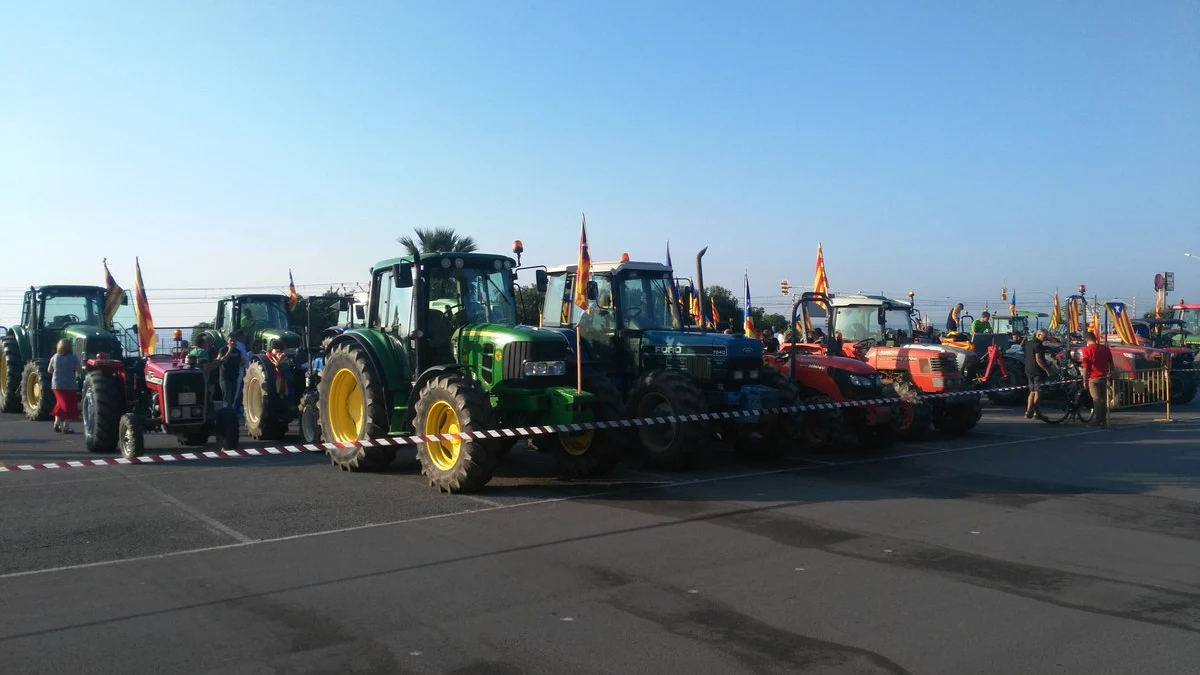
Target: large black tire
[11,364]
[132,440]
[265,411]
[668,393]
[1183,388]
[101,408]
[354,408]
[1016,378]
[958,415]
[595,452]
[310,417]
[879,436]
[225,429]
[37,398]
[915,415]
[824,429]
[453,403]
[779,433]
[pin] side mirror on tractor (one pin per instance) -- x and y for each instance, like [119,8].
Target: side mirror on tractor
[359,314]
[593,291]
[541,280]
[402,275]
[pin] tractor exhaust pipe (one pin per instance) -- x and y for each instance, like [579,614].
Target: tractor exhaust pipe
[700,290]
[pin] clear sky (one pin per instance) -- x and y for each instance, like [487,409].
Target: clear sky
[947,147]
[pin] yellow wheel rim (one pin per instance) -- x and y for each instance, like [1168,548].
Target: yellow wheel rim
[577,443]
[33,386]
[442,420]
[252,403]
[345,405]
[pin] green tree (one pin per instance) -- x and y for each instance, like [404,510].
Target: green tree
[726,304]
[529,304]
[437,240]
[775,322]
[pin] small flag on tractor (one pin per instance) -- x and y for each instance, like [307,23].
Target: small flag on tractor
[147,338]
[293,296]
[583,268]
[1120,318]
[716,316]
[1055,315]
[748,324]
[1012,305]
[112,296]
[1094,323]
[820,280]
[672,290]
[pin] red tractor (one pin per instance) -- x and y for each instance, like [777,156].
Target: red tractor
[881,331]
[125,398]
[1170,335]
[828,377]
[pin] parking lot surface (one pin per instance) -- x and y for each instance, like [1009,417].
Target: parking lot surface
[1020,548]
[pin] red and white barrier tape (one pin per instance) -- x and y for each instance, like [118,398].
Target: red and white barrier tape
[514,433]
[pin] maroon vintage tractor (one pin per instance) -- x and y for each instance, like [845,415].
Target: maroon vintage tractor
[125,398]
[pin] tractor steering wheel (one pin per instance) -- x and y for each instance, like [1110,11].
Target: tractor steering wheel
[633,312]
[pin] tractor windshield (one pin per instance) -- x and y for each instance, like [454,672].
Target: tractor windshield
[857,322]
[1190,318]
[645,301]
[260,313]
[898,319]
[473,295]
[59,311]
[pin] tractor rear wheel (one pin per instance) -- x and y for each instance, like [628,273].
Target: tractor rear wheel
[266,419]
[101,408]
[1016,378]
[958,415]
[132,441]
[597,451]
[1183,388]
[882,435]
[824,429]
[37,397]
[668,393]
[449,404]
[310,417]
[915,415]
[10,376]
[781,432]
[354,408]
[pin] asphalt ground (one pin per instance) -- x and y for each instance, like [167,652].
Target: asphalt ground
[1021,548]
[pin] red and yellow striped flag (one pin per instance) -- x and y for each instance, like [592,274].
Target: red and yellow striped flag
[1055,314]
[1073,315]
[147,338]
[112,296]
[583,267]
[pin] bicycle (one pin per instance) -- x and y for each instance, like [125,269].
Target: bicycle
[1065,396]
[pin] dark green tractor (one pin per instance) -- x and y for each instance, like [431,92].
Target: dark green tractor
[270,389]
[49,314]
[442,353]
[634,335]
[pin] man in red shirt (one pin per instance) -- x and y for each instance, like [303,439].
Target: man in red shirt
[1097,361]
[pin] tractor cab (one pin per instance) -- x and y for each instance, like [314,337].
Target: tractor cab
[261,317]
[866,320]
[1189,315]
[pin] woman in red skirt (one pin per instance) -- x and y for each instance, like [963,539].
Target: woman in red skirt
[64,366]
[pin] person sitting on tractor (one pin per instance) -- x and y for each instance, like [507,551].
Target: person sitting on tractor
[983,324]
[247,323]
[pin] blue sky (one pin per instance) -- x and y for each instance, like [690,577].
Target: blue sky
[946,147]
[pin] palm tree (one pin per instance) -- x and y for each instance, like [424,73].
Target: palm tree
[437,240]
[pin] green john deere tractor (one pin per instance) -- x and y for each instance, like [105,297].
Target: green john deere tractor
[442,353]
[49,314]
[270,392]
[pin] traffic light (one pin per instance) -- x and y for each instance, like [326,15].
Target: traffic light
[783,287]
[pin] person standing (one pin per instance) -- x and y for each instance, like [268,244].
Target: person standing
[1037,370]
[1096,361]
[64,367]
[230,360]
[952,318]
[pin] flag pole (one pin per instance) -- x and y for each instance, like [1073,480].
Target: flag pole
[578,362]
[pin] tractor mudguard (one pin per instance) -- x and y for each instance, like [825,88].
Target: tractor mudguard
[418,385]
[383,357]
[21,335]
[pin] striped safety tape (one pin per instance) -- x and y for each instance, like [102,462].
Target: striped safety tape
[513,433]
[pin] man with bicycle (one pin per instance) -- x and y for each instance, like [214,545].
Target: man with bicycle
[1037,370]
[1096,361]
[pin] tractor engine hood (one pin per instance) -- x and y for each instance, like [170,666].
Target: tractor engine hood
[706,344]
[291,340]
[88,341]
[843,363]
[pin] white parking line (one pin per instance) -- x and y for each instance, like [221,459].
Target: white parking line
[554,500]
[204,518]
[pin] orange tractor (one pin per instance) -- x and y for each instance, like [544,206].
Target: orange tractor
[827,377]
[881,332]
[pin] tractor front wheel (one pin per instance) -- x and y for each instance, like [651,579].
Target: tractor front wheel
[450,404]
[37,397]
[225,429]
[825,428]
[1016,378]
[101,410]
[958,415]
[878,436]
[10,376]
[594,452]
[915,414]
[780,432]
[354,408]
[266,419]
[310,417]
[133,442]
[669,393]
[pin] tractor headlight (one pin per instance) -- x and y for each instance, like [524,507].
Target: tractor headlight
[544,368]
[197,412]
[864,380]
[738,375]
[754,374]
[176,413]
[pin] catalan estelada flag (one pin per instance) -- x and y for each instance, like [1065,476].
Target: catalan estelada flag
[748,324]
[112,296]
[1055,314]
[1120,318]
[583,267]
[820,281]
[145,323]
[293,296]
[716,316]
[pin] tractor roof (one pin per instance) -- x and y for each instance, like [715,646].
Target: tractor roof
[1186,305]
[468,257]
[71,290]
[611,267]
[263,297]
[851,299]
